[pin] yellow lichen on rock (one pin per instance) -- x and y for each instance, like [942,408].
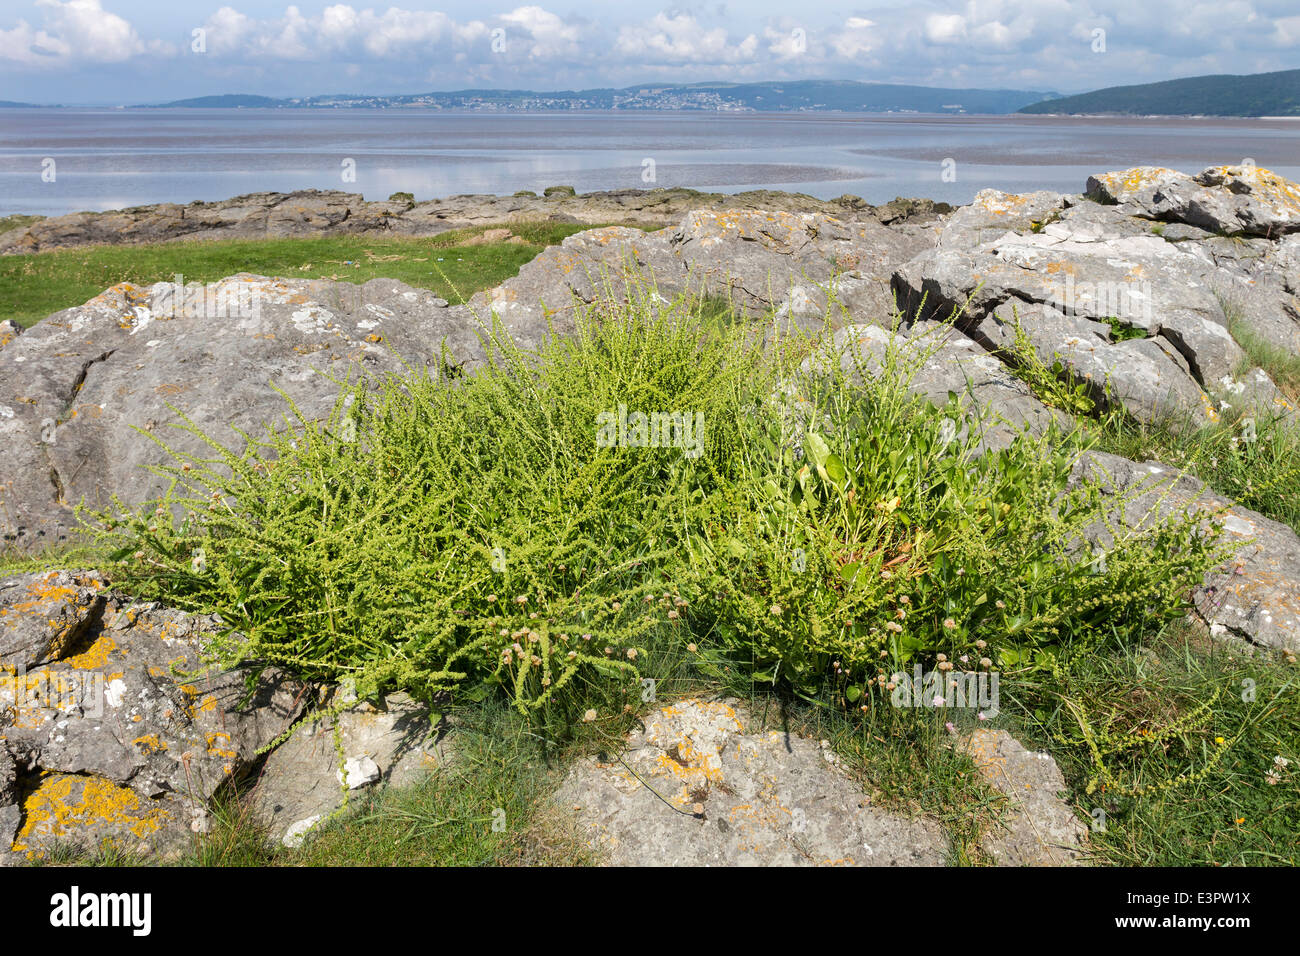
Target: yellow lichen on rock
[1122,185]
[1261,184]
[95,656]
[64,804]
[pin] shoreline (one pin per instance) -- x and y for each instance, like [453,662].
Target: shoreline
[315,213]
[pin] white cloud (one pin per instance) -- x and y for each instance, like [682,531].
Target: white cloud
[858,36]
[945,28]
[551,36]
[1039,44]
[77,30]
[1286,32]
[681,38]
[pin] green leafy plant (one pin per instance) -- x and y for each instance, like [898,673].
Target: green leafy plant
[1121,331]
[878,531]
[1048,382]
[444,535]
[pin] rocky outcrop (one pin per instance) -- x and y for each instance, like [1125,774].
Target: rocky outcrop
[111,727]
[1224,200]
[1039,828]
[1254,595]
[1139,312]
[309,778]
[695,788]
[331,212]
[804,266]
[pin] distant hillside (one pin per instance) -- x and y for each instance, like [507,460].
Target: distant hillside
[227,101]
[799,96]
[1259,94]
[10,105]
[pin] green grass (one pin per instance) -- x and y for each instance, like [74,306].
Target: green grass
[17,221]
[1282,366]
[1196,727]
[34,286]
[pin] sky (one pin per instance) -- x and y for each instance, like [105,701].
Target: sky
[142,51]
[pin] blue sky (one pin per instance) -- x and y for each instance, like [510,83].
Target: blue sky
[126,51]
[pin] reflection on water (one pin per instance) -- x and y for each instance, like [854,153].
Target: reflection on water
[107,159]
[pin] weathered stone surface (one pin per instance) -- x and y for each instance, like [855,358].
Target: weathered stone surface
[1234,199]
[1080,278]
[1122,186]
[313,213]
[1220,199]
[1210,351]
[11,814]
[1255,595]
[694,789]
[9,330]
[807,267]
[43,616]
[993,213]
[1041,829]
[1026,280]
[302,783]
[125,736]
[939,360]
[74,388]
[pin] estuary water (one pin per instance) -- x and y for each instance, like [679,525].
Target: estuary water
[113,158]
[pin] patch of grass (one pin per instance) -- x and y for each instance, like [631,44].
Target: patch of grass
[1282,365]
[17,221]
[34,286]
[79,554]
[1177,743]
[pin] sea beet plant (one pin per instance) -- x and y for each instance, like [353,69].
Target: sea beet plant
[475,535]
[450,534]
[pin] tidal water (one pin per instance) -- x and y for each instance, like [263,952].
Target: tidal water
[107,159]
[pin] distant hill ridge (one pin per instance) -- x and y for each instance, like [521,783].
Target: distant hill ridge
[1258,94]
[795,96]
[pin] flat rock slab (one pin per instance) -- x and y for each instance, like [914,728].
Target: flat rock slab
[1041,829]
[311,212]
[1255,595]
[116,732]
[305,781]
[695,789]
